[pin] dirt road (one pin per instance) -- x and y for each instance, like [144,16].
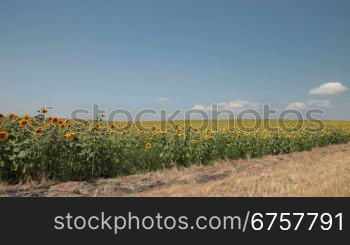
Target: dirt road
[321,172]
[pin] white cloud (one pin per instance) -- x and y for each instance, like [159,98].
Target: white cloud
[322,104]
[328,89]
[162,99]
[319,103]
[230,105]
[202,107]
[296,106]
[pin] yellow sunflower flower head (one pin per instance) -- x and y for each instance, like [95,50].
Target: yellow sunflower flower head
[54,120]
[23,123]
[12,116]
[44,110]
[39,130]
[148,146]
[27,117]
[3,135]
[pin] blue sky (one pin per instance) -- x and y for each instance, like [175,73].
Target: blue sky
[71,54]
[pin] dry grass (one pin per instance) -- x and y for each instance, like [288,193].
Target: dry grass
[321,172]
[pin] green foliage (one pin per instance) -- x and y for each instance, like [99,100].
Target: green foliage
[101,152]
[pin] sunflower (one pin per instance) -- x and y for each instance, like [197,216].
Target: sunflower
[3,136]
[97,126]
[60,122]
[73,134]
[66,136]
[180,135]
[63,125]
[27,117]
[39,130]
[54,120]
[23,123]
[12,116]
[148,146]
[69,135]
[207,137]
[44,110]
[1,116]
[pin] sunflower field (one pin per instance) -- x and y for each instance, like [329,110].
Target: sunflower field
[36,148]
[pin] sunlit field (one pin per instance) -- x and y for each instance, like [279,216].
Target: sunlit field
[42,147]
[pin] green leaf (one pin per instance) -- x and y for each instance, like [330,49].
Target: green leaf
[22,154]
